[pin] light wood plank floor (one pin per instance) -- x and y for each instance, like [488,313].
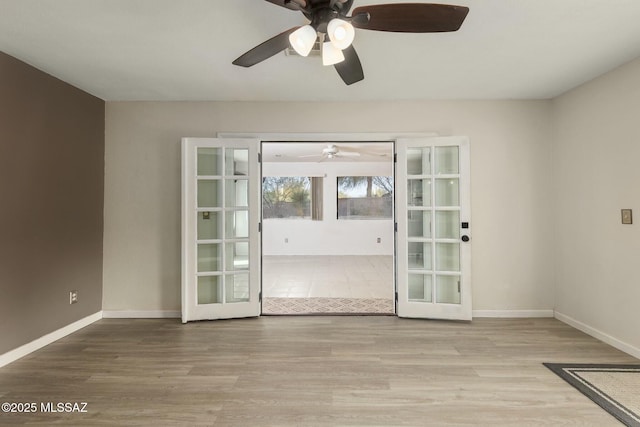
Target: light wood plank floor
[311,371]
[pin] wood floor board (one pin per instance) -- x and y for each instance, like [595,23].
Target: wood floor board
[310,371]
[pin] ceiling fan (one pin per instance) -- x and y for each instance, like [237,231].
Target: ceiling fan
[332,151]
[328,19]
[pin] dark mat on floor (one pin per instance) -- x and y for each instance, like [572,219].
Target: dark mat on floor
[615,388]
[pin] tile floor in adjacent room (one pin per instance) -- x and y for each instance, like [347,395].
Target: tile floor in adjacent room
[334,276]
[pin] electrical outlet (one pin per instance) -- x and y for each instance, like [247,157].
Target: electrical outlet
[379,240]
[286,240]
[73,297]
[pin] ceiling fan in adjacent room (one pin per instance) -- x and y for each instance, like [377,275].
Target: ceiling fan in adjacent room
[332,151]
[335,31]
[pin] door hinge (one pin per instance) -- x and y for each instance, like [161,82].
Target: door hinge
[259,157]
[395,227]
[458,286]
[259,227]
[396,296]
[260,296]
[395,157]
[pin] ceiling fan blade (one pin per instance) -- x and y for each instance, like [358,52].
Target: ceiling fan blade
[265,50]
[411,17]
[344,149]
[374,154]
[290,4]
[350,69]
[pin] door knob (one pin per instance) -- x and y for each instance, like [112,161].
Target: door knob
[465,238]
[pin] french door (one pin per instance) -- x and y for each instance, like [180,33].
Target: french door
[433,239]
[220,228]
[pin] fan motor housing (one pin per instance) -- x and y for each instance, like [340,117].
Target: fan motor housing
[320,18]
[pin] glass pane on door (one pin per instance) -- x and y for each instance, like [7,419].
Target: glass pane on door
[447,224]
[208,225]
[236,288]
[209,290]
[420,288]
[419,223]
[448,289]
[237,256]
[237,161]
[209,161]
[209,257]
[419,192]
[209,193]
[446,160]
[447,256]
[419,255]
[237,224]
[237,193]
[447,192]
[419,161]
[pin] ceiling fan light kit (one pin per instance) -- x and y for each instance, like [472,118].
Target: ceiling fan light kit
[330,17]
[331,55]
[303,39]
[341,33]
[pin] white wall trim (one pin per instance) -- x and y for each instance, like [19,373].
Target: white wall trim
[513,313]
[15,354]
[141,314]
[606,338]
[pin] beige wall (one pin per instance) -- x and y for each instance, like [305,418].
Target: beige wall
[51,203]
[510,168]
[597,173]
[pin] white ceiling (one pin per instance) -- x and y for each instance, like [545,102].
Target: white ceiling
[182,50]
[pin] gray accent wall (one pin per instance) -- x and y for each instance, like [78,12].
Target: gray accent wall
[51,203]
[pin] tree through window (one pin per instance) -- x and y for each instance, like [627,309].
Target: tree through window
[365,197]
[287,197]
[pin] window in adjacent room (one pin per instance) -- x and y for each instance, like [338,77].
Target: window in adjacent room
[365,197]
[286,197]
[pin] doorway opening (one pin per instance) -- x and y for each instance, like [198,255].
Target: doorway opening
[328,239]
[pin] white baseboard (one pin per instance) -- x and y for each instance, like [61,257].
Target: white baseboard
[141,314]
[513,313]
[37,344]
[612,341]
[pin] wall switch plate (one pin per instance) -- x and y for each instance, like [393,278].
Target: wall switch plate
[286,240]
[627,216]
[379,240]
[73,297]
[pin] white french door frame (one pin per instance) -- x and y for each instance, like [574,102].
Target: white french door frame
[451,305]
[435,311]
[237,257]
